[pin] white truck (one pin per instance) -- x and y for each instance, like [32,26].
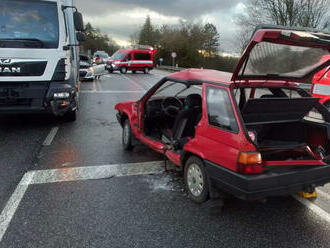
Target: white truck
[39,57]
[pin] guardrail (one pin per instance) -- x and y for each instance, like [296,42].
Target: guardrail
[170,68]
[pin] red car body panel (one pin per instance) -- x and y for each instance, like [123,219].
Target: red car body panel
[322,78]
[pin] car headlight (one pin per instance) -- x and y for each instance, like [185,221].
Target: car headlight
[61,95]
[91,69]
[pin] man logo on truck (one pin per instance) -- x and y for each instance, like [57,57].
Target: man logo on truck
[10,69]
[5,61]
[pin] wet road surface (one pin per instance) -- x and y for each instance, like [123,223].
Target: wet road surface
[81,207]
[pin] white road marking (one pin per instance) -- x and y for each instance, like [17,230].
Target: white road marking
[111,91]
[323,194]
[133,81]
[50,137]
[94,85]
[72,174]
[108,76]
[13,202]
[97,172]
[313,207]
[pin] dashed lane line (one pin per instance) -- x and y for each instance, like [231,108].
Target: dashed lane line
[50,137]
[69,175]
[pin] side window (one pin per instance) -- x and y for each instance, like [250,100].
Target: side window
[142,56]
[129,57]
[219,109]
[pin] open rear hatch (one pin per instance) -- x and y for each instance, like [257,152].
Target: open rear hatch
[277,125]
[280,53]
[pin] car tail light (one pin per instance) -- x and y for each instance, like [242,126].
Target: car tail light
[249,163]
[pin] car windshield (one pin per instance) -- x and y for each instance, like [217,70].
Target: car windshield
[24,22]
[280,60]
[118,55]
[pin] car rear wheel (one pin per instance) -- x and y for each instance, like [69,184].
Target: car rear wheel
[123,70]
[146,70]
[196,181]
[127,136]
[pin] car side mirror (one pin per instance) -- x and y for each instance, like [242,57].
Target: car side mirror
[81,36]
[78,21]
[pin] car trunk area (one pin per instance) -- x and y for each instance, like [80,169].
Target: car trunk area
[281,132]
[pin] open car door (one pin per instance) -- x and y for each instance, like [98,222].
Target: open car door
[280,53]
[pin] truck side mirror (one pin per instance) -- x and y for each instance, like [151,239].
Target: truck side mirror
[81,36]
[78,21]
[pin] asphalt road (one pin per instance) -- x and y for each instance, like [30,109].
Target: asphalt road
[81,207]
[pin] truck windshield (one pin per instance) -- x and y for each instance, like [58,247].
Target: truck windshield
[28,24]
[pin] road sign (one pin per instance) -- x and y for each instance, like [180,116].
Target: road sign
[173,54]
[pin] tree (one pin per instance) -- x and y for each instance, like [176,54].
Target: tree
[300,13]
[96,40]
[147,33]
[211,39]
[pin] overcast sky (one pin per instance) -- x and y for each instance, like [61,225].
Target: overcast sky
[121,18]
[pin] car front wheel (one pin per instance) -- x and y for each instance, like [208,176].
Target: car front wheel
[123,70]
[127,136]
[196,181]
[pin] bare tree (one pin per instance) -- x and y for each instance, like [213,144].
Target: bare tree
[300,13]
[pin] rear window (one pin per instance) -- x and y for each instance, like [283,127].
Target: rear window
[219,109]
[142,56]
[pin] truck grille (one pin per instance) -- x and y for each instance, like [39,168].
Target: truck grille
[17,95]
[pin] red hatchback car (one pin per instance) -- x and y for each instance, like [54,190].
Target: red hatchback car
[252,133]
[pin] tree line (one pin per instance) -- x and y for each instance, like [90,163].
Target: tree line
[196,45]
[96,40]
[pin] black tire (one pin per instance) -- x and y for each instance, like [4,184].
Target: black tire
[196,180]
[110,71]
[123,70]
[70,116]
[146,70]
[127,140]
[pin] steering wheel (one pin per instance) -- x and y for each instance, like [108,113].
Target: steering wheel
[171,106]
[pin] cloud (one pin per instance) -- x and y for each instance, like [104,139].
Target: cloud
[122,18]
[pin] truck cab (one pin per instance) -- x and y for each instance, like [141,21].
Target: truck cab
[39,57]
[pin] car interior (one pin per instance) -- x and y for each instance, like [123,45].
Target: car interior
[277,121]
[172,113]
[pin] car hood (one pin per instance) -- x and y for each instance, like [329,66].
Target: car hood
[279,53]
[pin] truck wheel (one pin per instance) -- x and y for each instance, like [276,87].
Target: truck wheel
[127,136]
[70,116]
[196,181]
[146,70]
[123,70]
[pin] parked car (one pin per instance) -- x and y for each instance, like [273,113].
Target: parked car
[89,71]
[321,84]
[138,58]
[104,57]
[250,133]
[86,71]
